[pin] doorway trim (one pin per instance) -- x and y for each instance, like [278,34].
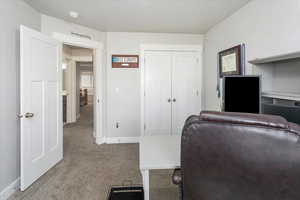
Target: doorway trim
[99,103]
[168,48]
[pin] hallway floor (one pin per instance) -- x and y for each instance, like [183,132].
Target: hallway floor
[88,170]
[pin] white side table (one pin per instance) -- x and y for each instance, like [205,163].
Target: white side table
[158,152]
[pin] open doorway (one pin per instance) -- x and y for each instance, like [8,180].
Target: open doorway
[99,79]
[78,87]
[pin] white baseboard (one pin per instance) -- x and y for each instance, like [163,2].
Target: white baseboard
[100,140]
[122,140]
[9,190]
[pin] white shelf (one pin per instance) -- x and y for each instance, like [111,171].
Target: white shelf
[278,58]
[282,95]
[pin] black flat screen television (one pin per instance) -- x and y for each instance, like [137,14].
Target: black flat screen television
[242,94]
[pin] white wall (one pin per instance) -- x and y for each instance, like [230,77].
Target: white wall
[69,79]
[52,24]
[123,85]
[66,59]
[267,27]
[286,77]
[82,55]
[12,14]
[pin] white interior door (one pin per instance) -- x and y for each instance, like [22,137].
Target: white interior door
[158,93]
[186,79]
[41,105]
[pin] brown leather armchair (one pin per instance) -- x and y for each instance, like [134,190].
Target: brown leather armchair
[234,156]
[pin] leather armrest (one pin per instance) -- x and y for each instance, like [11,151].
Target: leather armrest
[177,177]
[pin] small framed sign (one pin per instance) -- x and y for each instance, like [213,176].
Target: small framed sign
[230,61]
[125,61]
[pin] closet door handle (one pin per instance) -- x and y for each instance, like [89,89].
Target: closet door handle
[169,100]
[174,100]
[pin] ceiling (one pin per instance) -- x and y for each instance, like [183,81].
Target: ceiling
[167,16]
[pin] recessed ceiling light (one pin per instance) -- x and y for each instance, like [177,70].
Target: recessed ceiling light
[74,14]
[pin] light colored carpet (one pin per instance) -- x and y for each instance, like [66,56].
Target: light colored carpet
[88,170]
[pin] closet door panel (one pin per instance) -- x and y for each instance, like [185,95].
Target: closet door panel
[157,93]
[185,89]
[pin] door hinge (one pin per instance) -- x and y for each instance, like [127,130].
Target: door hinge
[144,94]
[198,60]
[144,126]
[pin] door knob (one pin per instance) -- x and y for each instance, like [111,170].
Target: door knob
[29,115]
[174,100]
[169,100]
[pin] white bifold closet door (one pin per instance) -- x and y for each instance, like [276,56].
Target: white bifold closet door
[172,92]
[185,93]
[158,80]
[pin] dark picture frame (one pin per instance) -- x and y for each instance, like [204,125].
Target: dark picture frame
[235,70]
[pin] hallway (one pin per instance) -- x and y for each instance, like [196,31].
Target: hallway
[88,170]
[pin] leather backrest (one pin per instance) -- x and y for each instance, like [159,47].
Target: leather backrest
[235,156]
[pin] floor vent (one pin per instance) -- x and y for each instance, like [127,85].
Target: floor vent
[126,193]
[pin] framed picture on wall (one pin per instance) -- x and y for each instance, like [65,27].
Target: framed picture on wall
[125,61]
[230,61]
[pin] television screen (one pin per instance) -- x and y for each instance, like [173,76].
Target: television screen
[242,94]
